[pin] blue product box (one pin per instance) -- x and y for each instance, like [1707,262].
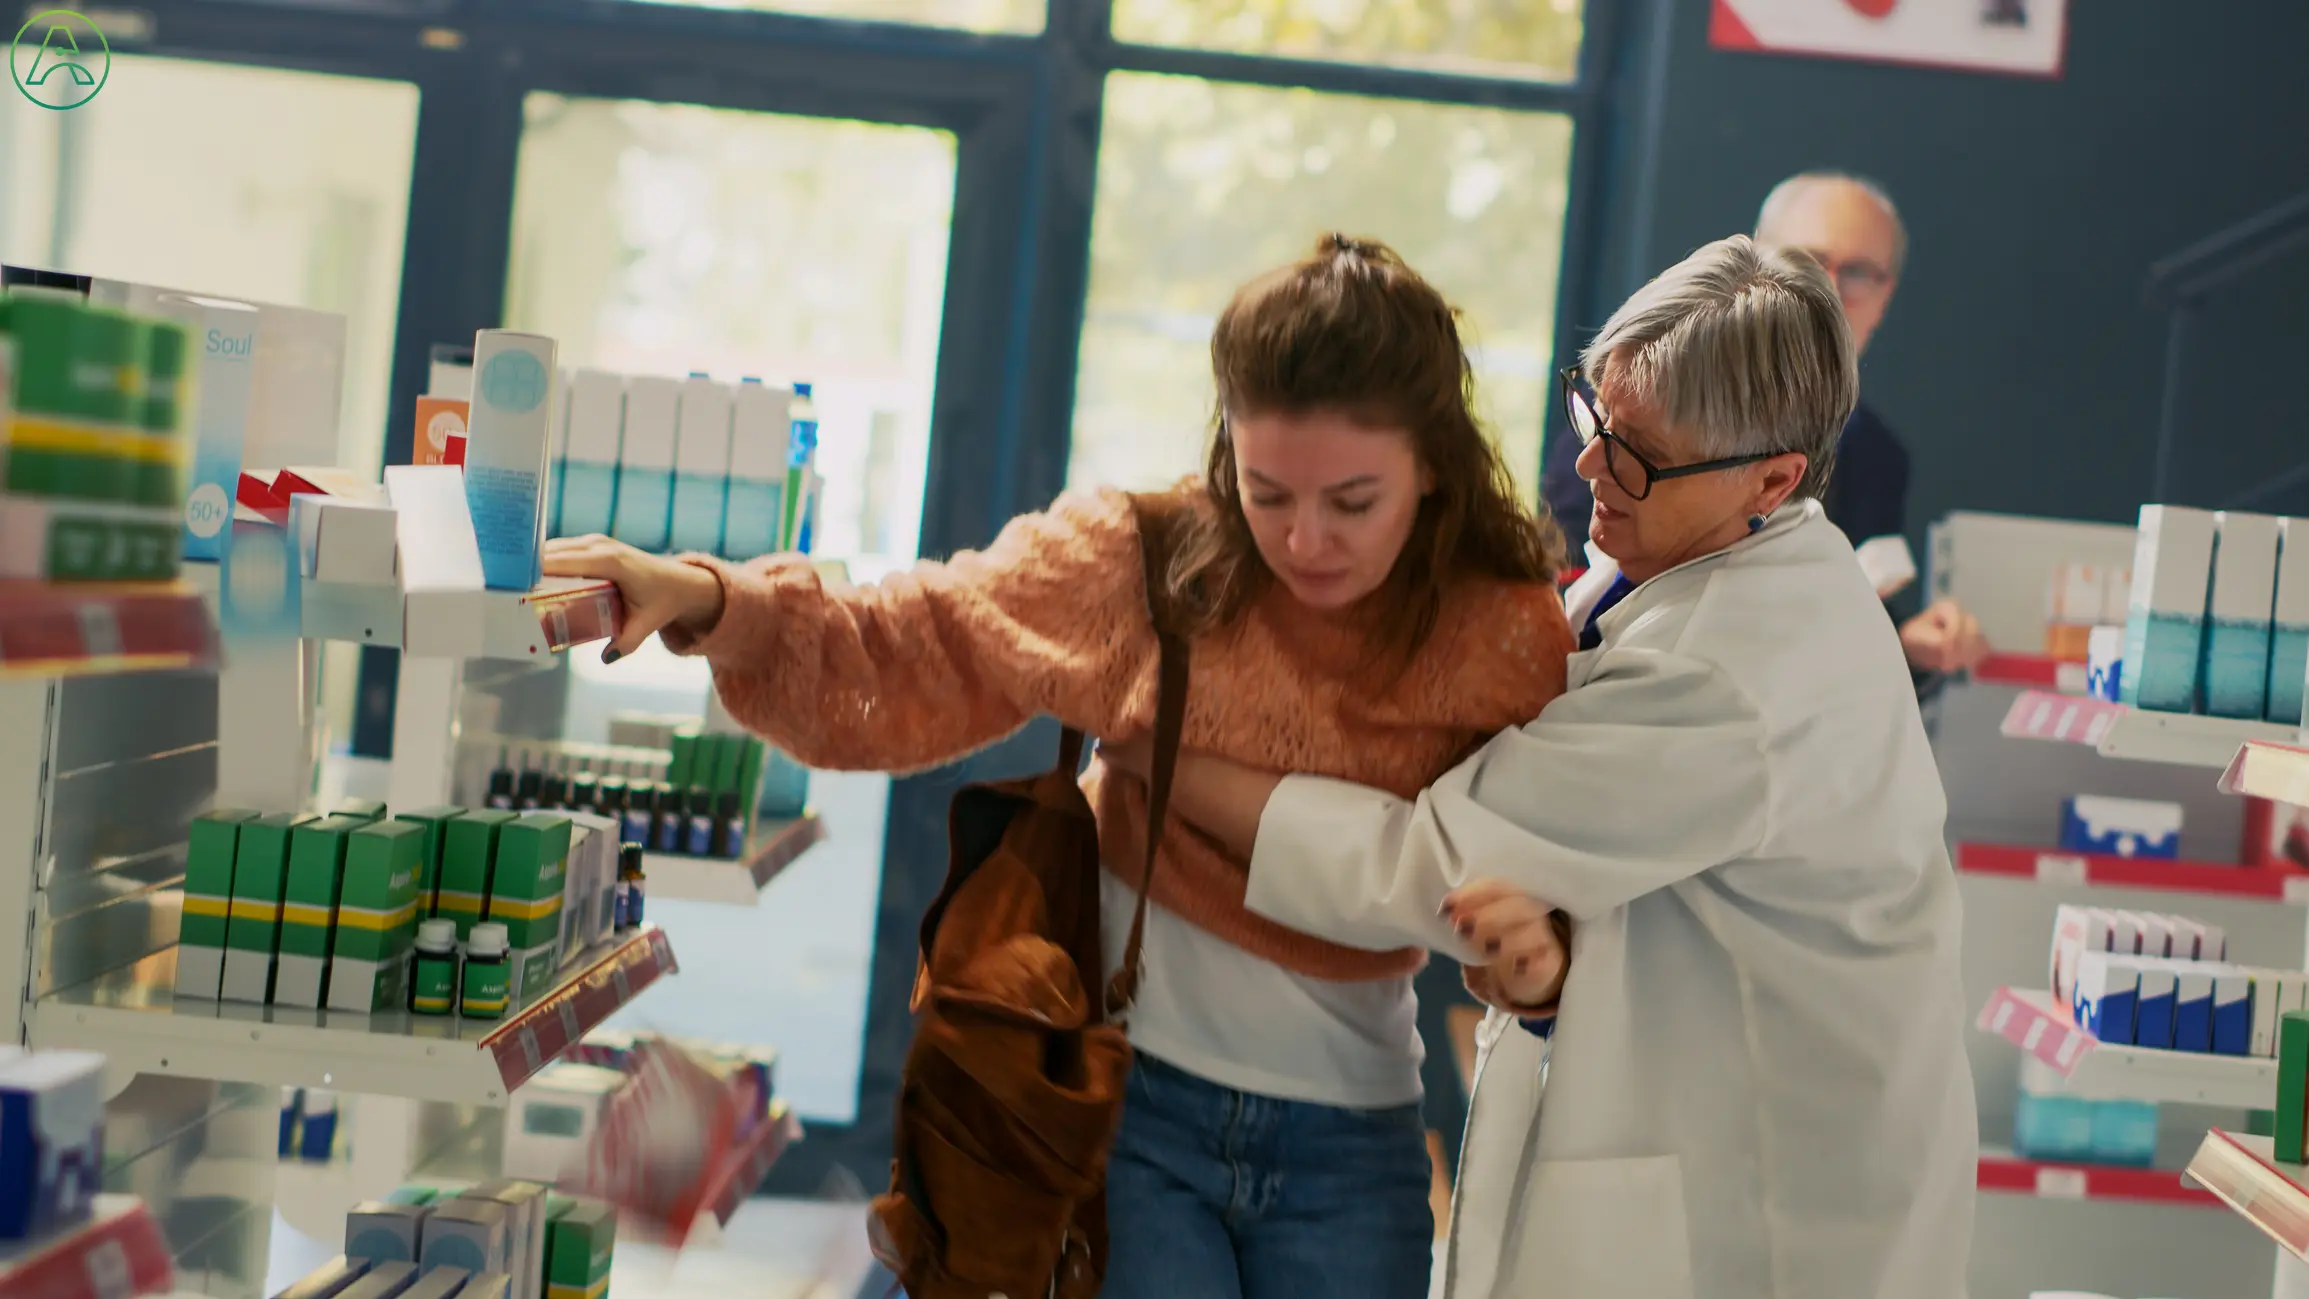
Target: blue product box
[644,515]
[51,1141]
[2105,664]
[2107,995]
[2232,1011]
[2124,1132]
[2165,621]
[588,495]
[2153,1010]
[2047,1122]
[220,363]
[2193,1009]
[509,433]
[2121,827]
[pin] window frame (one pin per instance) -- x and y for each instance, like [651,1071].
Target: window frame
[1026,112]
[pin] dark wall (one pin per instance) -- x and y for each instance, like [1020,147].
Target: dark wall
[2020,361]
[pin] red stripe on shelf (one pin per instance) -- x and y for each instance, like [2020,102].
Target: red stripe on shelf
[2055,866]
[2009,1176]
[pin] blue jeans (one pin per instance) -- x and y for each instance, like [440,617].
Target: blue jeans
[1214,1193]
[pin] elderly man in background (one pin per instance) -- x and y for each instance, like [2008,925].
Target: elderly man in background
[1852,229]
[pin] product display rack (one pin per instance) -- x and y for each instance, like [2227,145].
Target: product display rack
[2002,1173]
[739,881]
[2070,869]
[133,1017]
[2137,734]
[2095,1070]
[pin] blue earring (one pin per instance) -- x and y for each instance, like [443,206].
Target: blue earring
[1755,523]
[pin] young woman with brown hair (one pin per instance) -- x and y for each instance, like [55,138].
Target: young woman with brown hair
[1365,598]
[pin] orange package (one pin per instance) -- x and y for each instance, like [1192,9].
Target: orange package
[440,431]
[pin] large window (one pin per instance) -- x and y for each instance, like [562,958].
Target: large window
[969,15]
[1202,185]
[1517,38]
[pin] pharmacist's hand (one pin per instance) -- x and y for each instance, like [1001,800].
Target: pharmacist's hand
[657,591]
[1525,944]
[1943,639]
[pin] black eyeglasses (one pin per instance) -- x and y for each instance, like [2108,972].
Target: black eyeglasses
[1634,474]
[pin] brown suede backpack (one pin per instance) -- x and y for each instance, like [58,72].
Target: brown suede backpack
[1013,1087]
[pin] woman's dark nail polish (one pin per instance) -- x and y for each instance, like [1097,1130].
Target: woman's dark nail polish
[1466,929]
[1522,964]
[1491,948]
[612,654]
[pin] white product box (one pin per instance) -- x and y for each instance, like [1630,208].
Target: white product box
[57,1170]
[2107,991]
[2268,999]
[2193,1007]
[2155,1010]
[644,511]
[701,464]
[475,1235]
[760,433]
[589,465]
[223,345]
[445,606]
[508,435]
[2078,594]
[2156,934]
[2076,930]
[2232,1011]
[2188,939]
[2117,595]
[296,388]
[2125,938]
[2236,668]
[2212,942]
[1886,561]
[2165,625]
[556,451]
[2289,624]
[2105,663]
[450,373]
[554,1118]
[339,540]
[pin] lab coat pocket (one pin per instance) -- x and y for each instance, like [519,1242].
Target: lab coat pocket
[1594,1228]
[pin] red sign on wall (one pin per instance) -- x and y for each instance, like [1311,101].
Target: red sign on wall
[2021,37]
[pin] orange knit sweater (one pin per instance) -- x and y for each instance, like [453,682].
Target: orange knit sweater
[947,658]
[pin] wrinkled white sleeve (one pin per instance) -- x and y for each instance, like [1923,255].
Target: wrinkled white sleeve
[1651,772]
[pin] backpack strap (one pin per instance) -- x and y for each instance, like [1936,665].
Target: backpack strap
[1170,719]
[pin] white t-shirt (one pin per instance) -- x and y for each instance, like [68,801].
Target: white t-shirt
[1222,1014]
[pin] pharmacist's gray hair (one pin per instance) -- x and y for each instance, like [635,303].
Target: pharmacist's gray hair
[1785,193]
[1744,351]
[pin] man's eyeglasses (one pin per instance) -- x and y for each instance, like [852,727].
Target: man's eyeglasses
[1628,467]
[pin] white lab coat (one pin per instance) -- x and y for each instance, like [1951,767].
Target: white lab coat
[1758,1083]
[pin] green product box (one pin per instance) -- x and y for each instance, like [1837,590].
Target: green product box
[685,756]
[414,1194]
[580,1244]
[2292,1084]
[253,936]
[525,895]
[368,809]
[436,822]
[208,894]
[309,910]
[376,917]
[757,756]
[729,761]
[468,845]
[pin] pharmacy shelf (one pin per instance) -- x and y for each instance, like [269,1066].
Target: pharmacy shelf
[2262,769]
[133,1017]
[2137,734]
[2055,866]
[2032,672]
[2002,1173]
[734,881]
[533,625]
[2096,1070]
[2244,1173]
[119,1252]
[91,629]
[742,1171]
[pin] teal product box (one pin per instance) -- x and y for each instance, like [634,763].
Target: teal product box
[785,787]
[556,452]
[2289,624]
[328,1280]
[382,1232]
[465,1233]
[644,515]
[224,344]
[208,892]
[2243,597]
[508,433]
[260,585]
[701,465]
[2165,618]
[756,504]
[589,458]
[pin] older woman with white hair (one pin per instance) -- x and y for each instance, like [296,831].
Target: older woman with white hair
[1747,1076]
